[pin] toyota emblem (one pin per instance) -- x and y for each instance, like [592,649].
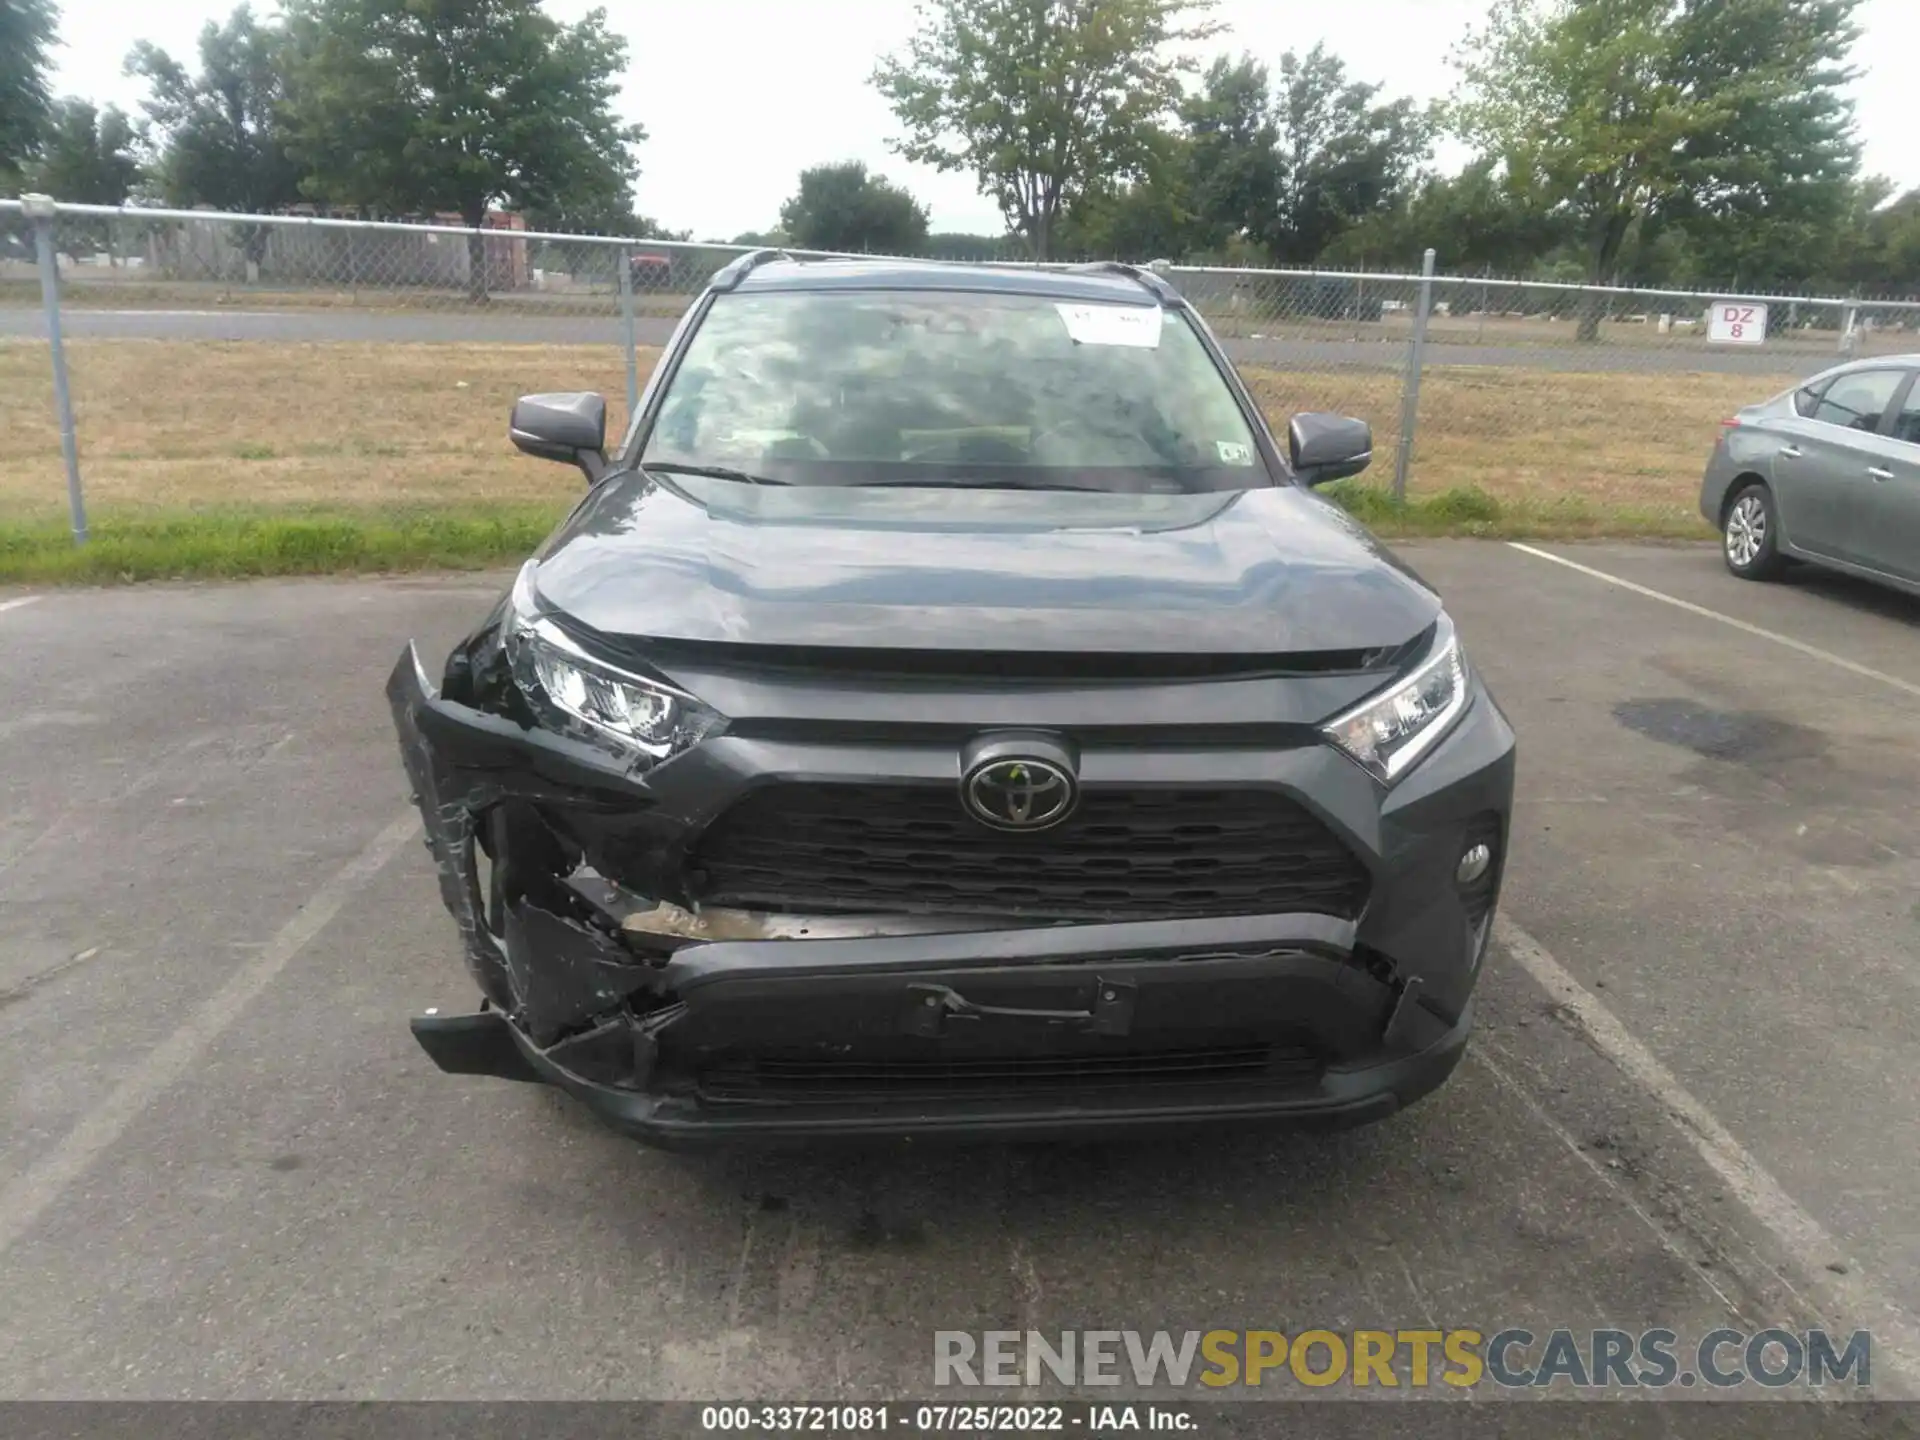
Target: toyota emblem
[1019,793]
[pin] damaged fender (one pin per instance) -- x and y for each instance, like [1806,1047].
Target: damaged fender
[463,763]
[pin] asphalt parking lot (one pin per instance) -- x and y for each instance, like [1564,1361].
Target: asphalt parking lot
[228,1171]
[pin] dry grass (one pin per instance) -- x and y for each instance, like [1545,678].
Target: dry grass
[175,425]
[1608,440]
[166,426]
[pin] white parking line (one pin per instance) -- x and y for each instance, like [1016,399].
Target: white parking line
[1851,1301]
[1812,652]
[23,1201]
[17,602]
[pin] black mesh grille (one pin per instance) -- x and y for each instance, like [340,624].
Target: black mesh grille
[1124,854]
[826,1080]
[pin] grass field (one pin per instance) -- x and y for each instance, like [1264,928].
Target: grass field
[254,457]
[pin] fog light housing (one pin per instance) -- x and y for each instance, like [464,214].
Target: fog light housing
[1474,861]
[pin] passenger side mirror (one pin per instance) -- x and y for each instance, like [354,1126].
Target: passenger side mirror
[1324,447]
[569,427]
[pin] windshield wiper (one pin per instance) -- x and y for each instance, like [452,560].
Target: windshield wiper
[986,485]
[712,472]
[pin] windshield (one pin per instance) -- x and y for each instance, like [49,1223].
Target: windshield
[954,388]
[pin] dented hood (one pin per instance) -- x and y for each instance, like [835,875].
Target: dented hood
[1265,571]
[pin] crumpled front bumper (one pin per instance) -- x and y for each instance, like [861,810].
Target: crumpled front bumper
[925,1028]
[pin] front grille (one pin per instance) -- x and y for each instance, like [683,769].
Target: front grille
[1122,855]
[834,1079]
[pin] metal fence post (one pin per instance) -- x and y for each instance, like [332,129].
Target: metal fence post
[1410,388]
[625,267]
[41,210]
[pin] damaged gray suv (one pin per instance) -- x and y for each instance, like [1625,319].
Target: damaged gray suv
[950,712]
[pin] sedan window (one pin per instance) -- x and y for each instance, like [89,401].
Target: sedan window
[1906,425]
[1858,400]
[1807,398]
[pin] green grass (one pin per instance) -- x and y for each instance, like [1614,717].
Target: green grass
[229,544]
[1470,511]
[232,543]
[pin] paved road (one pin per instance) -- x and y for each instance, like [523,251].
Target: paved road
[433,328]
[228,1172]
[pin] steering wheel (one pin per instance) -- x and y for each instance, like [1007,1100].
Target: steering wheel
[1070,425]
[796,447]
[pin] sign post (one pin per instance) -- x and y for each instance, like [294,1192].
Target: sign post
[1736,322]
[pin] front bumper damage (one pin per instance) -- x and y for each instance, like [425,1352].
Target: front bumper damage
[683,1026]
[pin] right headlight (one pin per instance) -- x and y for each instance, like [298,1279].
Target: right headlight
[639,719]
[1387,734]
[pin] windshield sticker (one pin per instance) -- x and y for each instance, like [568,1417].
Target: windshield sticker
[1134,325]
[1234,453]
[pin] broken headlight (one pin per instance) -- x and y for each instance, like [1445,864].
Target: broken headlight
[1387,734]
[581,695]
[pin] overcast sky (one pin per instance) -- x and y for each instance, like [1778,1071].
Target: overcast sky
[738,96]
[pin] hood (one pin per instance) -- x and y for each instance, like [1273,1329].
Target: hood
[1265,572]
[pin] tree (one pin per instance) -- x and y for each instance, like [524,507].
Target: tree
[1343,156]
[27,32]
[1259,174]
[959,245]
[86,155]
[1476,220]
[217,133]
[842,207]
[1632,113]
[1041,99]
[1148,216]
[1894,232]
[430,106]
[1879,245]
[1233,168]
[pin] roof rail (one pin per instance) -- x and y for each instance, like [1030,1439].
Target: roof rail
[729,276]
[1148,279]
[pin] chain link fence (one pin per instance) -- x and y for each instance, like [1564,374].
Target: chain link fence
[317,361]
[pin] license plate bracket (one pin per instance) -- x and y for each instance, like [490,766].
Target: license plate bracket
[929,1009]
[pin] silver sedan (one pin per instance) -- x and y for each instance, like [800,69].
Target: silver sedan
[1828,472]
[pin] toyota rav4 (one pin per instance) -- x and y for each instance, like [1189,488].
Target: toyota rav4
[950,711]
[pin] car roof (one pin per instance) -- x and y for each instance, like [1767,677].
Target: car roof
[1116,286]
[1870,362]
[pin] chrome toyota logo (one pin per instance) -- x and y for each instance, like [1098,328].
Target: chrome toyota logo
[1019,794]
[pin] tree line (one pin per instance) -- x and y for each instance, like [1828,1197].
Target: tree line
[376,108]
[1656,142]
[1653,142]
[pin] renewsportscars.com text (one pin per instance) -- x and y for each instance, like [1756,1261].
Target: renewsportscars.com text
[1392,1359]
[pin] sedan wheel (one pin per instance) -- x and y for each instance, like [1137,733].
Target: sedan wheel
[1749,535]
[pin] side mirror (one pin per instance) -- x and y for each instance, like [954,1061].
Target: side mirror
[1328,447]
[569,427]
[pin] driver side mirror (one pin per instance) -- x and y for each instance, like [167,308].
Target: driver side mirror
[1324,448]
[569,427]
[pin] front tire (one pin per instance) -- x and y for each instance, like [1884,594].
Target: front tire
[1749,536]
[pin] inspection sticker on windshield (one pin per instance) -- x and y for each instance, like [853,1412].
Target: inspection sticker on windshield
[1135,325]
[1232,452]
